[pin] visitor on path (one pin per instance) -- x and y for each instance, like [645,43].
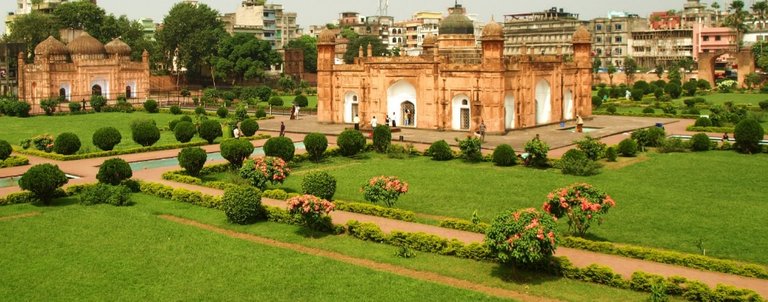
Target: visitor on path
[482,131]
[297,111]
[386,120]
[407,117]
[236,133]
[725,137]
[374,122]
[394,123]
[282,129]
[293,112]
[579,124]
[356,120]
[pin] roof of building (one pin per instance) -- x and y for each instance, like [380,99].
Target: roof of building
[493,30]
[51,46]
[117,46]
[327,36]
[456,24]
[582,35]
[85,45]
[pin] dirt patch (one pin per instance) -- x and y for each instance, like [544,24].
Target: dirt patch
[25,215]
[383,267]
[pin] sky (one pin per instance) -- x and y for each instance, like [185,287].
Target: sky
[316,12]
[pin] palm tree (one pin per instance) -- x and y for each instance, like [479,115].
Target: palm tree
[760,10]
[736,20]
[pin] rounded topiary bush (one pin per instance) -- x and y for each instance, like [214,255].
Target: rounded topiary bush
[5,149]
[184,132]
[242,204]
[576,162]
[74,107]
[192,160]
[350,142]
[114,171]
[106,138]
[222,112]
[172,124]
[628,147]
[440,150]
[703,122]
[320,184]
[281,147]
[700,142]
[523,237]
[649,110]
[276,101]
[175,110]
[185,118]
[200,110]
[151,106]
[611,153]
[145,132]
[748,134]
[66,143]
[248,127]
[382,138]
[261,113]
[43,180]
[236,150]
[210,130]
[301,100]
[315,144]
[504,156]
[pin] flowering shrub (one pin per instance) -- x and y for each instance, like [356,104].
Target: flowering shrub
[313,210]
[384,189]
[261,171]
[581,203]
[523,237]
[43,142]
[727,85]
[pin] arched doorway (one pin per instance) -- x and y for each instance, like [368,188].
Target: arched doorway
[568,105]
[128,93]
[62,94]
[96,90]
[461,113]
[509,112]
[543,102]
[401,96]
[351,107]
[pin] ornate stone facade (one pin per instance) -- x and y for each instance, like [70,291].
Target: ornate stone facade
[80,69]
[455,85]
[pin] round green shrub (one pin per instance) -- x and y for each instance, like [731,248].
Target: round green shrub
[242,204]
[440,150]
[184,132]
[301,100]
[248,127]
[175,110]
[523,237]
[185,118]
[703,122]
[97,102]
[382,138]
[106,138]
[504,156]
[103,193]
[748,134]
[192,160]
[222,112]
[236,150]
[700,142]
[537,153]
[350,142]
[628,147]
[592,147]
[210,130]
[611,109]
[576,162]
[145,133]
[151,106]
[261,113]
[43,180]
[113,171]
[611,154]
[281,147]
[276,101]
[200,110]
[172,124]
[315,144]
[5,149]
[320,184]
[74,107]
[66,144]
[649,110]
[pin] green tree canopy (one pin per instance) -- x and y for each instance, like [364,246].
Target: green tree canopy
[630,67]
[31,29]
[379,49]
[79,15]
[242,57]
[190,34]
[309,45]
[736,19]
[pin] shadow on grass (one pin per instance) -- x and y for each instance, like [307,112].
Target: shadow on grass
[593,237]
[310,233]
[60,202]
[521,276]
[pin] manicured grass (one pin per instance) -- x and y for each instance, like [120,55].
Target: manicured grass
[736,98]
[84,125]
[288,100]
[669,201]
[77,253]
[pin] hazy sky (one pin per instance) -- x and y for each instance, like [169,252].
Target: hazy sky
[322,11]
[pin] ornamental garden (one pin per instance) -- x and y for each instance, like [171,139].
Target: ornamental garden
[361,210]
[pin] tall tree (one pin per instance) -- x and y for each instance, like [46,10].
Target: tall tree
[760,11]
[242,57]
[630,68]
[611,70]
[31,29]
[379,49]
[309,45]
[190,34]
[715,5]
[79,15]
[736,20]
[659,71]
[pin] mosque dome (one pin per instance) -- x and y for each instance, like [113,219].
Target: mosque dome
[493,30]
[119,47]
[582,35]
[327,36]
[456,24]
[51,46]
[85,45]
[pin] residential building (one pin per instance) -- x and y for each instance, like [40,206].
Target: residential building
[547,32]
[268,22]
[149,27]
[612,36]
[694,12]
[661,47]
[664,20]
[713,39]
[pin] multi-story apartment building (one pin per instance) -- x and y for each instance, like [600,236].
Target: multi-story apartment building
[268,22]
[149,27]
[547,32]
[713,39]
[611,36]
[694,12]
[661,47]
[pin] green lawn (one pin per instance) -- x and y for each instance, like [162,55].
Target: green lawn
[736,98]
[288,100]
[669,201]
[193,262]
[84,125]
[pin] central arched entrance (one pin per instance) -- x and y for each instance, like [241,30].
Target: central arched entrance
[407,111]
[461,113]
[402,104]
[543,102]
[351,107]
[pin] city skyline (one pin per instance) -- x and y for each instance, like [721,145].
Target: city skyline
[400,9]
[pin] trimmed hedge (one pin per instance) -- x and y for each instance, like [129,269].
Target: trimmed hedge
[150,106]
[281,147]
[181,195]
[382,138]
[354,207]
[114,171]
[43,180]
[192,160]
[14,161]
[103,193]
[55,156]
[18,198]
[710,129]
[236,150]
[145,132]
[210,130]
[242,205]
[320,184]
[350,142]
[464,225]
[249,127]
[440,151]
[5,150]
[315,144]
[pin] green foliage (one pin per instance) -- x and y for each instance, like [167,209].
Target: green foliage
[576,162]
[611,153]
[537,153]
[222,112]
[637,94]
[151,106]
[263,170]
[308,45]
[175,110]
[200,110]
[43,180]
[673,145]
[5,150]
[74,107]
[471,149]
[301,100]
[192,160]
[440,150]
[242,205]
[236,150]
[98,102]
[464,225]
[384,189]
[504,156]
[144,132]
[382,138]
[593,148]
[379,49]
[184,132]
[49,106]
[703,84]
[281,147]
[700,142]
[375,210]
[703,122]
[690,87]
[320,184]
[628,147]
[642,85]
[673,90]
[210,130]
[185,118]
[649,110]
[66,143]
[241,113]
[581,203]
[114,171]
[106,138]
[522,237]
[748,134]
[191,34]
[260,113]
[405,252]
[596,102]
[103,193]
[315,144]
[649,137]
[249,127]
[276,101]
[350,142]
[31,29]
[611,109]
[242,57]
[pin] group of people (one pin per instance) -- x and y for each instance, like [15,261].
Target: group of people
[236,132]
[295,112]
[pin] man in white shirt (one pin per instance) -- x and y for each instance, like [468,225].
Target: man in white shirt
[236,132]
[374,122]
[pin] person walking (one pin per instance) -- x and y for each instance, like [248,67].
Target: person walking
[482,131]
[579,124]
[356,120]
[282,129]
[394,123]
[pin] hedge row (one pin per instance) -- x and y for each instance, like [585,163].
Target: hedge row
[179,176]
[14,161]
[464,225]
[29,197]
[666,115]
[181,195]
[207,113]
[710,129]
[374,210]
[56,156]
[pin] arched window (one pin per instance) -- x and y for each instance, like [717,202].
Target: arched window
[62,94]
[96,90]
[128,92]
